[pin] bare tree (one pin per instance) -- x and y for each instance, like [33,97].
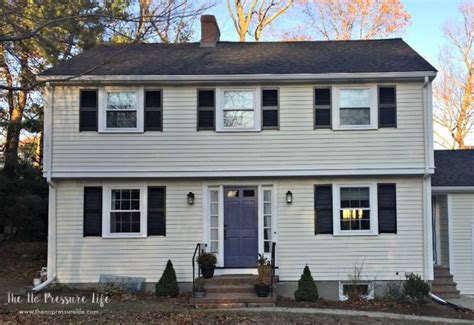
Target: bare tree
[36,34]
[252,17]
[454,89]
[355,19]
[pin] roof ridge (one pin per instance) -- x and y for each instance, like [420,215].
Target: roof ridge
[259,43]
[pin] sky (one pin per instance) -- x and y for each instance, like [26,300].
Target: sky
[424,33]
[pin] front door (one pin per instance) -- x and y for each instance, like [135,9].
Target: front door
[240,227]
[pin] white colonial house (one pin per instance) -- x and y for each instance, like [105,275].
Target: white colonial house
[322,151]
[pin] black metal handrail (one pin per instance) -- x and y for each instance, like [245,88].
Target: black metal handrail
[273,267]
[198,250]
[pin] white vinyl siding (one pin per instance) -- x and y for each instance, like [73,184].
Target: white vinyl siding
[181,150]
[82,259]
[461,210]
[384,257]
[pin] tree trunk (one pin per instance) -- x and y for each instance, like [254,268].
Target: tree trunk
[462,120]
[14,126]
[13,135]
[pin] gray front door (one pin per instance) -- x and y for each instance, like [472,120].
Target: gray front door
[240,227]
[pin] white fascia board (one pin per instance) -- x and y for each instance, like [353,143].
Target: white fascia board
[236,173]
[241,77]
[452,189]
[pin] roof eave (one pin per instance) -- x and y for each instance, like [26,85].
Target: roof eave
[305,77]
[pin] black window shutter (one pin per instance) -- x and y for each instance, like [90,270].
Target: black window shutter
[387,208]
[156,211]
[387,107]
[322,108]
[153,111]
[323,209]
[88,110]
[270,114]
[93,211]
[206,109]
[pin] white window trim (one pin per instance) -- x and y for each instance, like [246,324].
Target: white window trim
[373,108]
[209,202]
[103,111]
[374,223]
[369,296]
[106,195]
[261,219]
[220,110]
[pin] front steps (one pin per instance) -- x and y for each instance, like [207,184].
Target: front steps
[233,291]
[443,284]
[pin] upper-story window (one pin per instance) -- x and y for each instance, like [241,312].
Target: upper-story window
[356,108]
[238,110]
[121,110]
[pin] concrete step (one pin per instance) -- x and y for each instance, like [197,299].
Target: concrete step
[229,288]
[445,288]
[235,279]
[441,272]
[236,299]
[231,280]
[443,281]
[448,295]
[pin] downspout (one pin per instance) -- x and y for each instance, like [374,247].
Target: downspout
[427,209]
[48,140]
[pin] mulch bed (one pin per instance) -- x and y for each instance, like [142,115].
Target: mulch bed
[430,309]
[21,260]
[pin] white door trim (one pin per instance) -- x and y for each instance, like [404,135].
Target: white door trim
[206,187]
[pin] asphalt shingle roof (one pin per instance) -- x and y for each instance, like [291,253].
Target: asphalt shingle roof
[388,55]
[453,168]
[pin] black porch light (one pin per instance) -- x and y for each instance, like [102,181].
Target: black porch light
[289,197]
[190,198]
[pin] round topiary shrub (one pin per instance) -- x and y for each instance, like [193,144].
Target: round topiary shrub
[167,286]
[307,290]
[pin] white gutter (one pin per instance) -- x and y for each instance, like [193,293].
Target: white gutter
[242,77]
[429,169]
[452,189]
[48,139]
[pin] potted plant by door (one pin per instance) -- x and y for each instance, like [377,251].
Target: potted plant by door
[199,291]
[262,289]
[207,262]
[264,269]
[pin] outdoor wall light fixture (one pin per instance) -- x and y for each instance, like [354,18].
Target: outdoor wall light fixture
[289,197]
[190,198]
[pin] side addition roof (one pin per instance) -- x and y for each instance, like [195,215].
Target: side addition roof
[453,168]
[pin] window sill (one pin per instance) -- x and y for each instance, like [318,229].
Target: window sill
[238,130]
[355,128]
[121,131]
[124,236]
[354,233]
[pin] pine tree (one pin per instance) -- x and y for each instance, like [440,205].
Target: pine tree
[307,290]
[167,286]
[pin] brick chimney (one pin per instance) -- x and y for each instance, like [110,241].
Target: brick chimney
[210,32]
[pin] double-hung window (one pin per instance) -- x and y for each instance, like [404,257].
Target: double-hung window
[122,110]
[125,212]
[355,210]
[356,107]
[238,110]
